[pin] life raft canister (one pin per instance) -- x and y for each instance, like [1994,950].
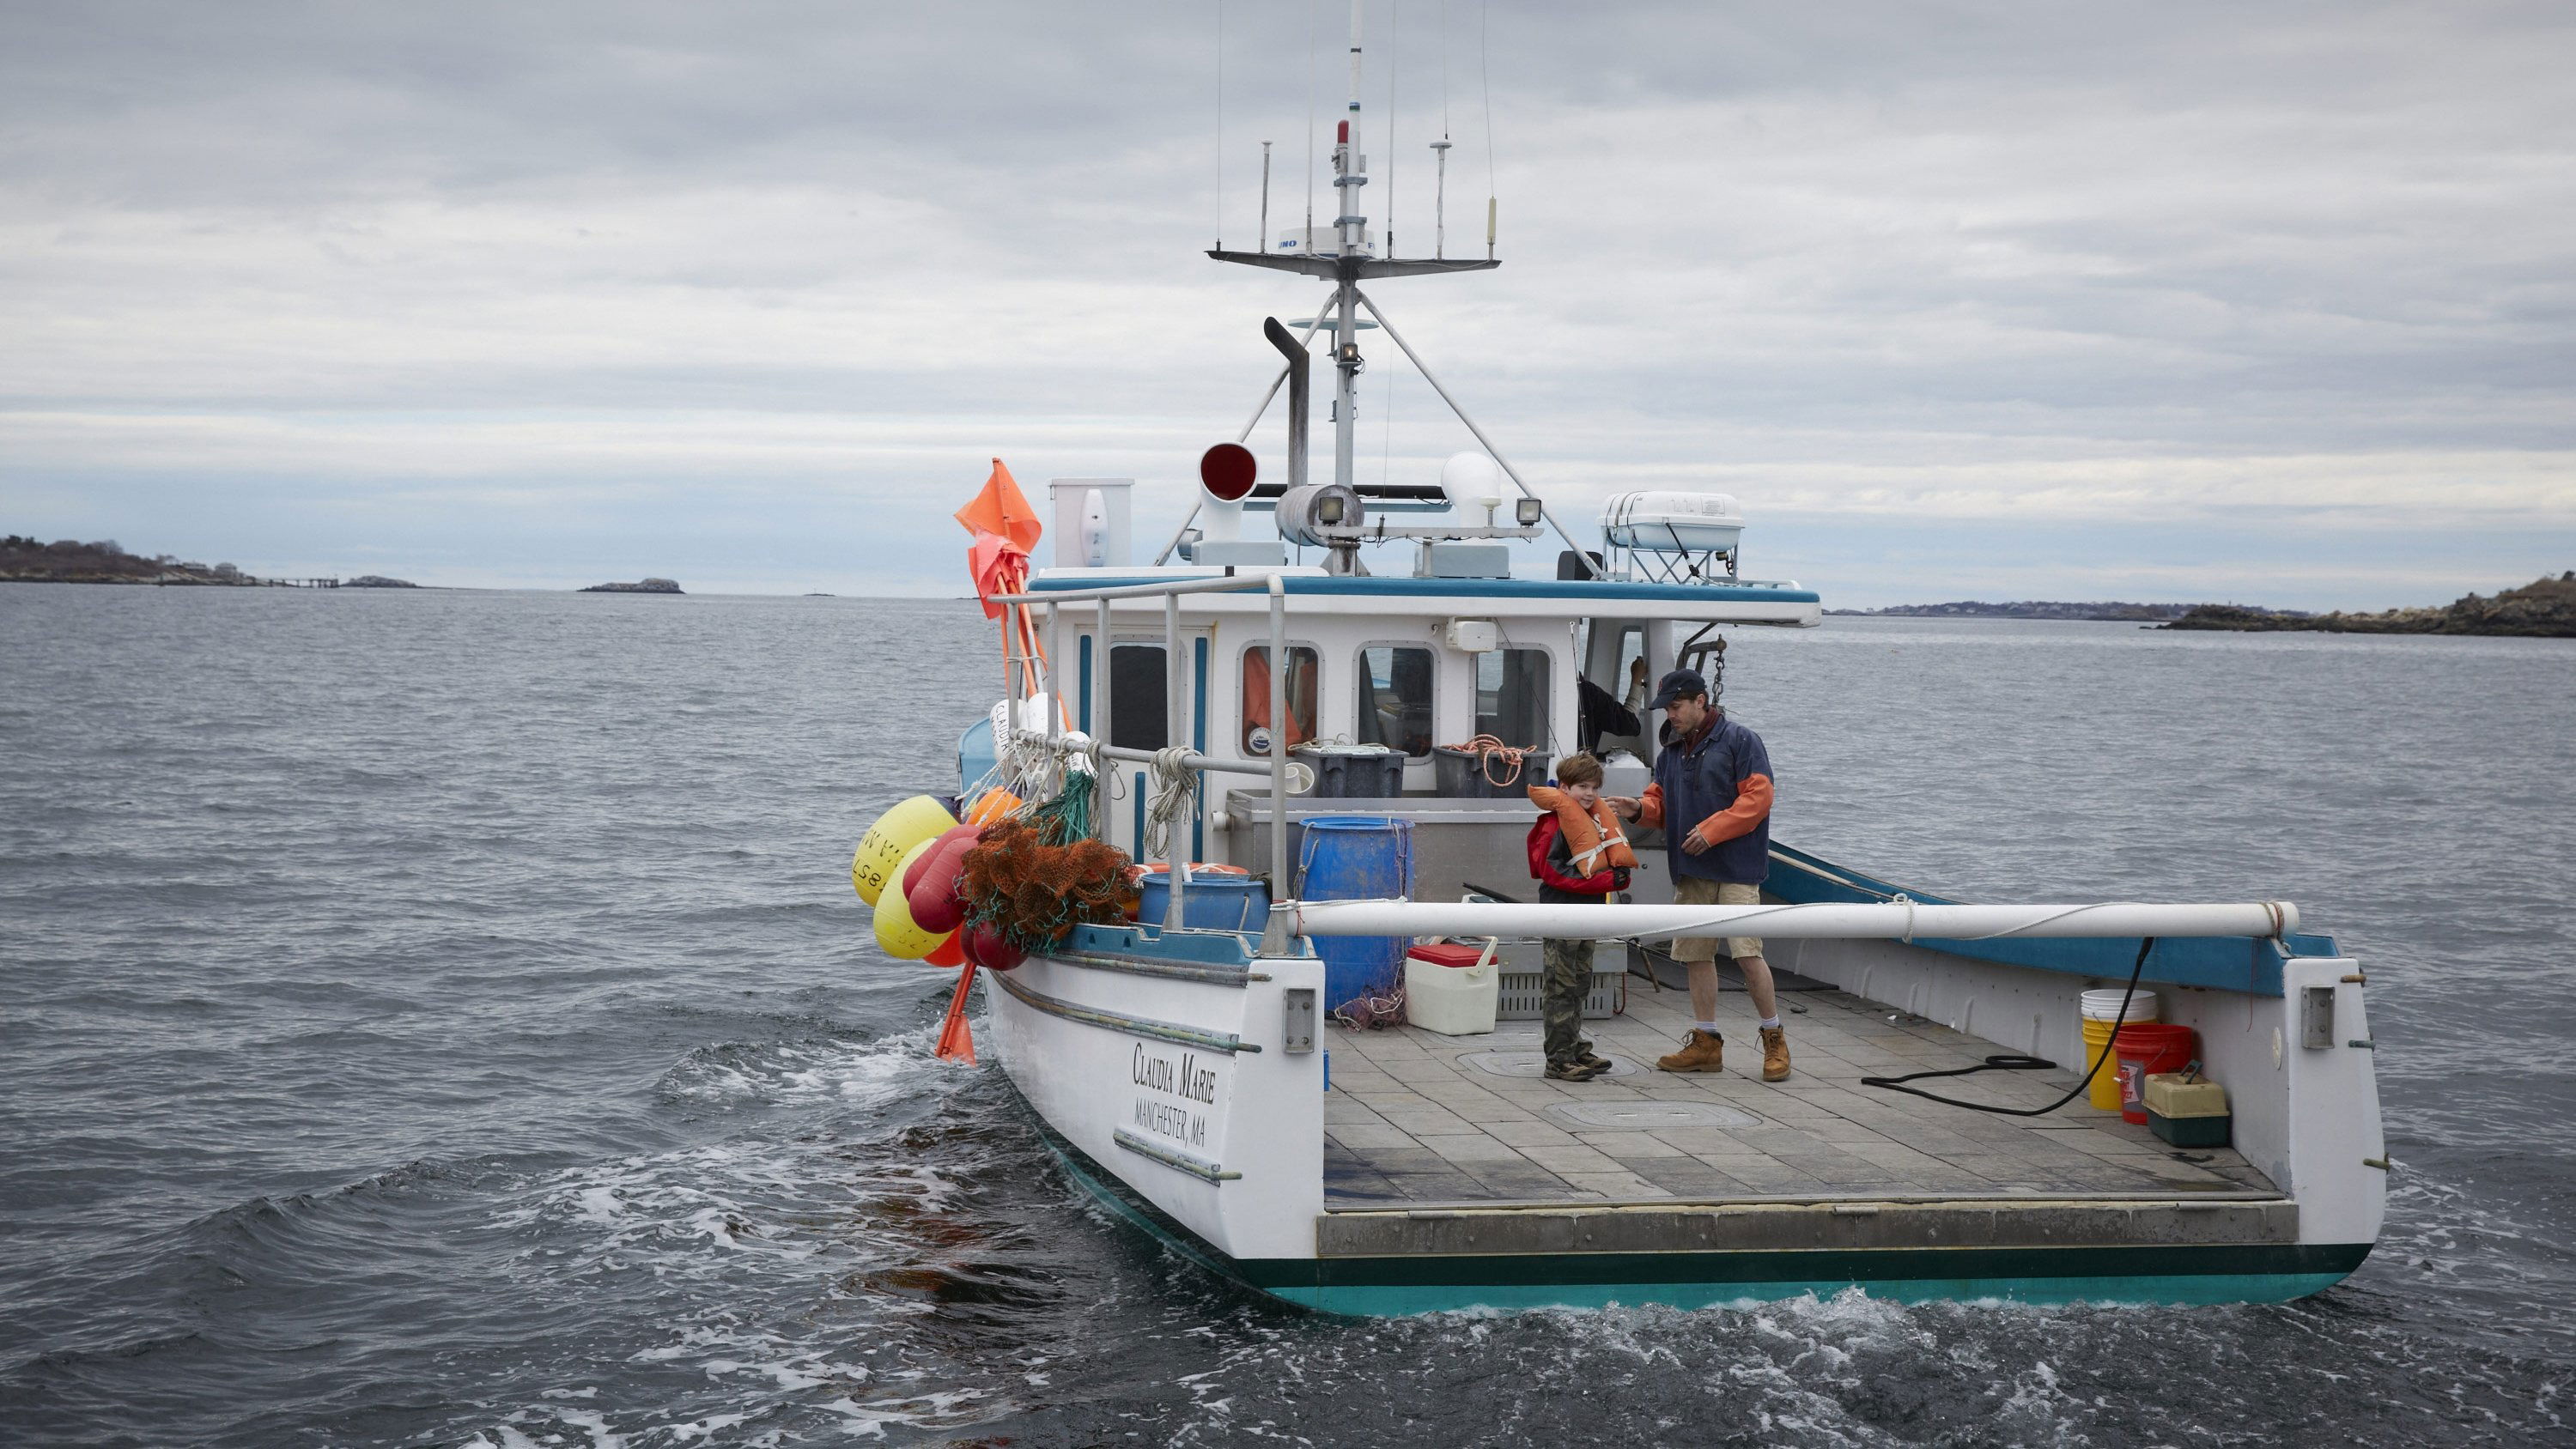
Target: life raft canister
[1594,836]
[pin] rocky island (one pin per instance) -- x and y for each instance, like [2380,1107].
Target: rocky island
[69,561]
[640,586]
[2544,608]
[2025,609]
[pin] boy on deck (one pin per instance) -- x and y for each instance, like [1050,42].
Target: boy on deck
[1576,853]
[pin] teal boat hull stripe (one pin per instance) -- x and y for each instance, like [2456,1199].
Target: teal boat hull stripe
[2242,1273]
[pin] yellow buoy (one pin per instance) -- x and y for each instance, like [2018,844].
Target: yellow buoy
[896,831]
[897,935]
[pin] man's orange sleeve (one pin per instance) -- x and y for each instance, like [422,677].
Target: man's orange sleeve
[1650,807]
[1752,804]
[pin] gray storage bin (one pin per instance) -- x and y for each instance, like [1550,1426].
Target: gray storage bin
[1459,774]
[1353,772]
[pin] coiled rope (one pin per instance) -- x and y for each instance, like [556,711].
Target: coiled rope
[1174,798]
[1487,749]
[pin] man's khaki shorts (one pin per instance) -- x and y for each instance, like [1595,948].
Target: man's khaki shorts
[1691,890]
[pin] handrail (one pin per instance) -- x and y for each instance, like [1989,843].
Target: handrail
[1210,584]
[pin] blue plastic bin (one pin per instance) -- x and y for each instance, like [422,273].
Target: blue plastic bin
[1216,900]
[1357,858]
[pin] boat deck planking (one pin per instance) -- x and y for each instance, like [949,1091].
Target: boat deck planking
[1415,1119]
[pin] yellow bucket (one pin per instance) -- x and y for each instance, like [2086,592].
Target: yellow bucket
[2104,1093]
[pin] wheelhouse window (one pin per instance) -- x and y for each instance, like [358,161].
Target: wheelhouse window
[1511,696]
[1395,698]
[1139,697]
[1303,668]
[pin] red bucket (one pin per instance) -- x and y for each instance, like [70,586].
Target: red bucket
[2144,1050]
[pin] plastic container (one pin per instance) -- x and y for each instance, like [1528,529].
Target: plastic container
[1524,982]
[1445,996]
[2144,1051]
[2100,1009]
[1460,774]
[1353,772]
[1214,900]
[1357,858]
[2188,1110]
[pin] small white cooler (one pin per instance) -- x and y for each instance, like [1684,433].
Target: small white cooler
[1452,989]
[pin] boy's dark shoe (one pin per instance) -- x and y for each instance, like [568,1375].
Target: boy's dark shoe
[1574,1071]
[1590,1058]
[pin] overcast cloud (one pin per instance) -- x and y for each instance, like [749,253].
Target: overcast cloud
[2272,303]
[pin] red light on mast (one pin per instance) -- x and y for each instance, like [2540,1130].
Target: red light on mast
[1345,137]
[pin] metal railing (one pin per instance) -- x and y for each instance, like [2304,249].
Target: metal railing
[1019,674]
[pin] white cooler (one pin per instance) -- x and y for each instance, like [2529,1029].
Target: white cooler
[1452,1000]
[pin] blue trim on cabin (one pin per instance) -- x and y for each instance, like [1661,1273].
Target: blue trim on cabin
[2244,964]
[1198,948]
[1138,794]
[1593,591]
[1086,684]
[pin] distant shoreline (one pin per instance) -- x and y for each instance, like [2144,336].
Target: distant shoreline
[2544,608]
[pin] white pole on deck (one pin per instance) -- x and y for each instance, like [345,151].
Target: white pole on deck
[1176,847]
[1896,921]
[1100,721]
[1281,883]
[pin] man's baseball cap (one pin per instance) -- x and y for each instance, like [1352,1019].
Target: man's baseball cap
[1680,684]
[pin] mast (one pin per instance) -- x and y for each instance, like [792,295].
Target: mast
[1348,168]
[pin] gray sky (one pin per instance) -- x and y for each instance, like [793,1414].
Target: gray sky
[2272,303]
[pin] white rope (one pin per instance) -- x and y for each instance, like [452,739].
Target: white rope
[1173,799]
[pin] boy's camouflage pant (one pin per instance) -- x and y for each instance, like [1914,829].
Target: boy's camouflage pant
[1568,977]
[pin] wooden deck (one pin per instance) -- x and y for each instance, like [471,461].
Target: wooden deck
[1419,1120]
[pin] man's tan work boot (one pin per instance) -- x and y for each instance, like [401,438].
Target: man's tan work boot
[1775,1054]
[1702,1051]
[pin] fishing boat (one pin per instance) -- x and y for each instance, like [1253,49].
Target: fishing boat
[1219,1056]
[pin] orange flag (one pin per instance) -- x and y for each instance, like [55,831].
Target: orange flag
[1006,529]
[1002,509]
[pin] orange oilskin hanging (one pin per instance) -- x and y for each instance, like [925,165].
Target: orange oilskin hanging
[1594,836]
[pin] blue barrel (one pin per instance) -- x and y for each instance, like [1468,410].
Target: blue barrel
[1217,900]
[1357,858]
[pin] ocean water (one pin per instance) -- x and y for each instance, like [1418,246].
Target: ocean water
[443,1018]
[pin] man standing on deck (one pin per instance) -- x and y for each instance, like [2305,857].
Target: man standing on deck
[1713,784]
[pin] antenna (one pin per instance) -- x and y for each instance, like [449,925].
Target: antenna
[1394,8]
[1220,125]
[1264,237]
[1440,200]
[1485,75]
[1306,243]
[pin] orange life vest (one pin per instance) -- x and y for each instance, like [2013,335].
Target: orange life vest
[1593,836]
